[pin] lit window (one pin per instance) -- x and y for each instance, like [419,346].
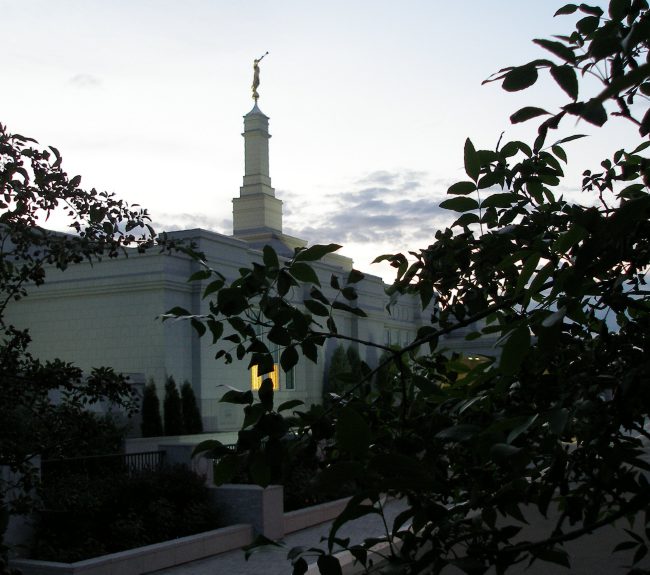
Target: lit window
[256,380]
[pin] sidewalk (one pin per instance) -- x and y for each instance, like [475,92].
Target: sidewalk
[275,562]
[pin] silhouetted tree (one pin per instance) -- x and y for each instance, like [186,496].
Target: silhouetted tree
[151,425]
[192,422]
[172,409]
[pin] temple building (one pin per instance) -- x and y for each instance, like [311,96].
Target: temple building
[108,313]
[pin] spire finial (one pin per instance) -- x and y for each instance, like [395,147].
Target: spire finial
[256,76]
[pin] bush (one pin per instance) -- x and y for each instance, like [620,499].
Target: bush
[173,409]
[151,421]
[192,422]
[85,516]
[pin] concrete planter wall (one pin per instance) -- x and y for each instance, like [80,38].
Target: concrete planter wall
[252,510]
[148,558]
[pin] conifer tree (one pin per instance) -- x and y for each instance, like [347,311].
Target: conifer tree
[151,425]
[172,408]
[355,363]
[339,365]
[192,422]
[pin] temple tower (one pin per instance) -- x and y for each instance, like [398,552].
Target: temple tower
[256,211]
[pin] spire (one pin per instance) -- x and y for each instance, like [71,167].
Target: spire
[256,210]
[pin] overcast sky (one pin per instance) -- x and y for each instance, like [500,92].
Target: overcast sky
[369,103]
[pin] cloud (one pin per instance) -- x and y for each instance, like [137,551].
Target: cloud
[173,222]
[399,208]
[84,81]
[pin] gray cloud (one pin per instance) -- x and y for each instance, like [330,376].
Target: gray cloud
[395,207]
[84,81]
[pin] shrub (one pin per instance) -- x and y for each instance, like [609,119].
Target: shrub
[151,421]
[172,408]
[88,516]
[192,422]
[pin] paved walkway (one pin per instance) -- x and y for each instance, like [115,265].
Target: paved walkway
[275,562]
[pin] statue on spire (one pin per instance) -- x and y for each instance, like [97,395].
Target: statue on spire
[256,76]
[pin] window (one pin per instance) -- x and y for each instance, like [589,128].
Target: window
[256,380]
[290,380]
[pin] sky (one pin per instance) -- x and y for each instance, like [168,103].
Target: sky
[370,102]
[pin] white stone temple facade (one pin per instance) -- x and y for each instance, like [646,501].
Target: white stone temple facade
[108,313]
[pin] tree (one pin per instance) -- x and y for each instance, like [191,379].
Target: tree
[34,187]
[553,429]
[151,421]
[192,422]
[339,367]
[172,409]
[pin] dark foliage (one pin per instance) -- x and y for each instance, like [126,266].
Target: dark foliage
[172,409]
[151,421]
[34,187]
[192,422]
[555,424]
[86,516]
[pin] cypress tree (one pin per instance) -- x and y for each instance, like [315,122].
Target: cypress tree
[172,409]
[191,415]
[151,425]
[339,365]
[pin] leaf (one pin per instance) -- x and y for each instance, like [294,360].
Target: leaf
[502,451]
[198,326]
[209,445]
[458,432]
[329,565]
[557,420]
[472,161]
[588,24]
[349,293]
[568,239]
[289,358]
[517,431]
[570,139]
[566,78]
[355,276]
[352,432]
[200,275]
[557,48]
[504,200]
[466,220]
[237,397]
[644,128]
[304,273]
[526,113]
[290,404]
[316,252]
[593,10]
[462,188]
[460,204]
[225,469]
[520,78]
[619,9]
[176,312]
[527,270]
[265,393]
[560,153]
[345,307]
[270,258]
[515,349]
[316,307]
[566,9]
[300,567]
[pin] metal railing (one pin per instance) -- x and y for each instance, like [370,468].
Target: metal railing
[93,465]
